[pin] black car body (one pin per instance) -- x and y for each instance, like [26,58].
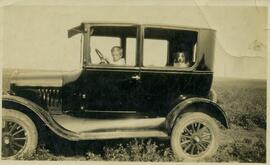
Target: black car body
[138,90]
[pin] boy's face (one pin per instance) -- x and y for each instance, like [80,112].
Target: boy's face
[116,54]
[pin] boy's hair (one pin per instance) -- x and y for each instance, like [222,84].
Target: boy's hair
[116,47]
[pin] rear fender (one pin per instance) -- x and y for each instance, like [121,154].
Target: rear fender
[196,104]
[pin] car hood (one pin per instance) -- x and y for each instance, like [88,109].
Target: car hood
[43,78]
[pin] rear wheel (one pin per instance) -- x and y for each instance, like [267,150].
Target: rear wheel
[194,137]
[19,134]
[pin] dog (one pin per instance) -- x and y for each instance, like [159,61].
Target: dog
[180,60]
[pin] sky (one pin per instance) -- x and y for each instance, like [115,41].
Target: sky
[35,35]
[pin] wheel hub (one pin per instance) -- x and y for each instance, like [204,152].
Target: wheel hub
[196,139]
[6,140]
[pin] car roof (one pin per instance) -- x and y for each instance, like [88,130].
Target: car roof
[78,29]
[148,25]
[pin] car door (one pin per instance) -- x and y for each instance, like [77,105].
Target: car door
[111,89]
[162,82]
[154,84]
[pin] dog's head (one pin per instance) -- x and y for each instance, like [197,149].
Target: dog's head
[180,57]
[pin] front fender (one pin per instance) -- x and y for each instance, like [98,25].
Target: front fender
[205,105]
[41,113]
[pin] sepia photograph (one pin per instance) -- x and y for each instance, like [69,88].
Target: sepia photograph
[134,81]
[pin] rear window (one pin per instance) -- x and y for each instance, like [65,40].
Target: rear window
[155,52]
[169,48]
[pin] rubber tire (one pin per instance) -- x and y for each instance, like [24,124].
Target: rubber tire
[30,128]
[185,120]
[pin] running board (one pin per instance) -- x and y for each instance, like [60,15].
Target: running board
[123,134]
[92,129]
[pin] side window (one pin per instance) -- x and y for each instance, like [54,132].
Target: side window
[113,45]
[169,47]
[155,52]
[104,45]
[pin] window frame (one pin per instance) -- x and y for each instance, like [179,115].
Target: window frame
[139,47]
[87,39]
[170,68]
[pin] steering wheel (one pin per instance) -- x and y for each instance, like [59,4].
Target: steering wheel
[103,60]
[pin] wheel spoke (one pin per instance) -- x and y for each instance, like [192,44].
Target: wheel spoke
[12,128]
[198,148]
[186,136]
[18,145]
[192,149]
[204,129]
[188,131]
[205,135]
[198,126]
[185,142]
[187,147]
[193,127]
[205,141]
[17,132]
[19,138]
[201,146]
[204,144]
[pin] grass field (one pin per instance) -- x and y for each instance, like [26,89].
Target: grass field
[244,101]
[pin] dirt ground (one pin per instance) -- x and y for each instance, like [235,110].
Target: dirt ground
[244,102]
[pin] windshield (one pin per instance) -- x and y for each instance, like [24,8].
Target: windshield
[76,43]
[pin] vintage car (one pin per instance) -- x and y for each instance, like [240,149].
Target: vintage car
[135,81]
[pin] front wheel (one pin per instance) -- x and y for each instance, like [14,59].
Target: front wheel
[194,137]
[19,134]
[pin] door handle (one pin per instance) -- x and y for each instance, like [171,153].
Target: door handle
[136,77]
